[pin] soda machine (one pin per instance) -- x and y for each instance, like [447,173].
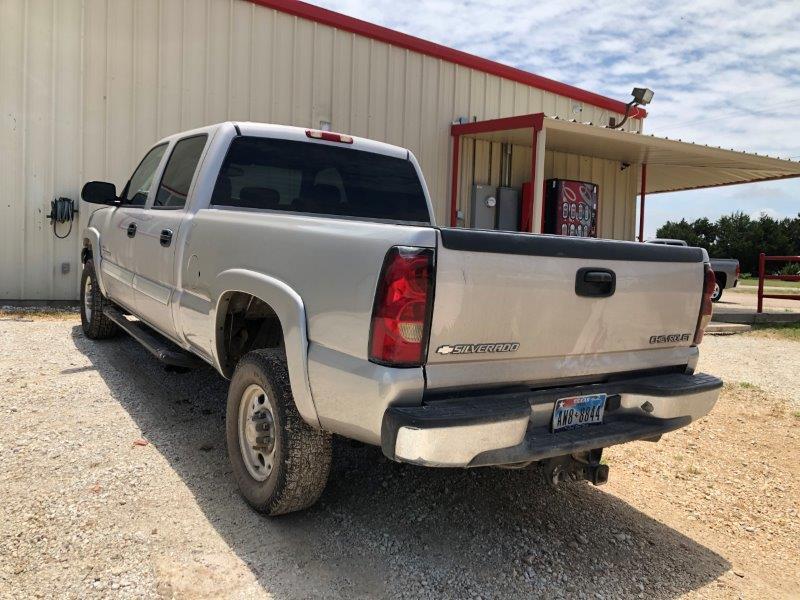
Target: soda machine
[570,208]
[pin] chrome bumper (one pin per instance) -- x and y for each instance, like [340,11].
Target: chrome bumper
[507,428]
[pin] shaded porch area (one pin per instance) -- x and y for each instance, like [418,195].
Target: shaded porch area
[522,153]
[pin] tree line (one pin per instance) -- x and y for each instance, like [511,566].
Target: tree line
[741,237]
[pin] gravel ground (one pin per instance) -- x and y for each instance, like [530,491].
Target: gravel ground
[115,483]
[755,359]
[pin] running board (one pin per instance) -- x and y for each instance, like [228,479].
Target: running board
[159,346]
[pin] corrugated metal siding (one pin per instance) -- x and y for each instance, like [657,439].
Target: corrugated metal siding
[86,86]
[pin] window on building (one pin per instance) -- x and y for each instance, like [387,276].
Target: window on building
[179,172]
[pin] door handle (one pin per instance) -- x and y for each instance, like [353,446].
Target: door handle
[131,230]
[166,237]
[595,283]
[598,277]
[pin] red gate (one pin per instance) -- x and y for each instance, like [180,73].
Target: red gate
[762,260]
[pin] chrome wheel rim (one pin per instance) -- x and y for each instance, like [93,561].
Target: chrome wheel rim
[257,432]
[87,298]
[716,291]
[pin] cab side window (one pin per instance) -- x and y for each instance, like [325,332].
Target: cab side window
[138,187]
[179,172]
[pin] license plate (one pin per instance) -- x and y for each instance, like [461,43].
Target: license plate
[578,411]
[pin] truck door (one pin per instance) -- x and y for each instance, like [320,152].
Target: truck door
[116,245]
[154,246]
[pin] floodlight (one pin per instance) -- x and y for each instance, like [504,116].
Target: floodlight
[642,95]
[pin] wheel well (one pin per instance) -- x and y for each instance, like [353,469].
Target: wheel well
[86,251]
[245,323]
[721,279]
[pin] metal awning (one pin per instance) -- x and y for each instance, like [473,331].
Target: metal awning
[672,165]
[664,165]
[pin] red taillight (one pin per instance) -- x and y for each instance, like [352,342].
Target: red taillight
[706,306]
[738,270]
[402,311]
[329,136]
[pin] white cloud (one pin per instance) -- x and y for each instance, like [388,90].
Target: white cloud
[765,212]
[725,72]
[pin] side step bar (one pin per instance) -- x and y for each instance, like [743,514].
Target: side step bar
[160,347]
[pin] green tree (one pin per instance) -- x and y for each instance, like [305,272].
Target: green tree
[738,236]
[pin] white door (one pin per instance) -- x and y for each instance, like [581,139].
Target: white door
[116,245]
[157,236]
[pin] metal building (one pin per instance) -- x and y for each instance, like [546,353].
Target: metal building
[86,86]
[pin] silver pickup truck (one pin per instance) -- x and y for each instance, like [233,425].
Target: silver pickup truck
[726,270]
[306,267]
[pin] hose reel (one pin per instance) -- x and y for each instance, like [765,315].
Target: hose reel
[62,210]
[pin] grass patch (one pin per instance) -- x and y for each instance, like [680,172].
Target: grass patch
[786,331]
[753,282]
[747,385]
[693,470]
[31,313]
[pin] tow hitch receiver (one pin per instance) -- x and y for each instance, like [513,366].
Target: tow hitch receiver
[576,467]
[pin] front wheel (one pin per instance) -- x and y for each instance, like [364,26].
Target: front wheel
[280,463]
[717,293]
[96,325]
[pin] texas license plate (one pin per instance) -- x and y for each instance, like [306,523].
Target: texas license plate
[578,411]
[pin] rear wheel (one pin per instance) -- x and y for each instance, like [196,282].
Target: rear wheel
[96,325]
[280,463]
[717,294]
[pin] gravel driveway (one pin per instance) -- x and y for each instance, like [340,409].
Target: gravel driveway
[115,483]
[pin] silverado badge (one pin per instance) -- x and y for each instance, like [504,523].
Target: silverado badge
[478,348]
[669,339]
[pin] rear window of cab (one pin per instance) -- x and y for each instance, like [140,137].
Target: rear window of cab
[288,175]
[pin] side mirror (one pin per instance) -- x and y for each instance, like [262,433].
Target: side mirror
[99,192]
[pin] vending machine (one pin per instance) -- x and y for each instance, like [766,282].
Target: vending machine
[570,208]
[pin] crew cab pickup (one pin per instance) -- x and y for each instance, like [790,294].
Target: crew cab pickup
[307,268]
[726,270]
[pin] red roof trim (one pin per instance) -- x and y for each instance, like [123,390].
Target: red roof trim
[535,121]
[409,42]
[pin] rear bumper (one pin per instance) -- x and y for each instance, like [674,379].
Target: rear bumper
[514,427]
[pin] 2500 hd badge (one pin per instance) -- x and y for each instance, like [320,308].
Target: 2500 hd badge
[478,348]
[669,339]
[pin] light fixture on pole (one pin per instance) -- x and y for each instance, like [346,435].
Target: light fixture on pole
[641,96]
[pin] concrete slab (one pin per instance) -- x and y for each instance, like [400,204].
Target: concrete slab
[727,328]
[751,317]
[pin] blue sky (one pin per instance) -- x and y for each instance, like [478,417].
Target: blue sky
[725,73]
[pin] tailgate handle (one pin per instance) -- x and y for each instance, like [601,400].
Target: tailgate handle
[595,283]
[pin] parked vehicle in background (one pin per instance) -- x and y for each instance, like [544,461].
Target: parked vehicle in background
[306,267]
[726,270]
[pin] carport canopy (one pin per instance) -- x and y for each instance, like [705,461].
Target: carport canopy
[666,165]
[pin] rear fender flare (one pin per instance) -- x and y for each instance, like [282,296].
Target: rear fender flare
[289,307]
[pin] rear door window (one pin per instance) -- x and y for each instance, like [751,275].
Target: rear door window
[287,175]
[179,172]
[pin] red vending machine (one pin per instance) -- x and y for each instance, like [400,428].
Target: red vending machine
[570,208]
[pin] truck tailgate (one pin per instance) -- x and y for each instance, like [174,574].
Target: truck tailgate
[510,297]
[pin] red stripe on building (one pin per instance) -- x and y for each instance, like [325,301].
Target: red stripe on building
[415,44]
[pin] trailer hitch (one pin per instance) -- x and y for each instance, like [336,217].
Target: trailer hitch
[583,466]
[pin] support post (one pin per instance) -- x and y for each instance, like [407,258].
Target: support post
[531,199]
[454,182]
[642,194]
[761,269]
